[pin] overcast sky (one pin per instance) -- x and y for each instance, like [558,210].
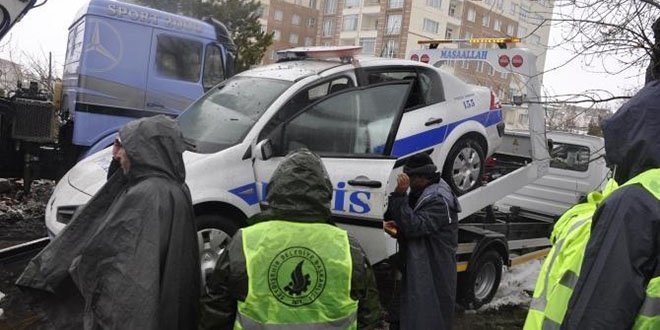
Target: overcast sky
[44,29]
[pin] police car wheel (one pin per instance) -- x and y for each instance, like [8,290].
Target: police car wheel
[214,233]
[464,167]
[478,286]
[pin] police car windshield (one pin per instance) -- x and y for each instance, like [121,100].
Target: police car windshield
[222,117]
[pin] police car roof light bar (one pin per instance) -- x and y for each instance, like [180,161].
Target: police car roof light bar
[344,53]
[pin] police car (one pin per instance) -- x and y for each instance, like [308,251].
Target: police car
[363,115]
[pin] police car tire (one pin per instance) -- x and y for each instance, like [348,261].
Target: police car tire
[451,157]
[467,281]
[214,221]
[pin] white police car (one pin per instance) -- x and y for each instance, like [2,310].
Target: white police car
[364,116]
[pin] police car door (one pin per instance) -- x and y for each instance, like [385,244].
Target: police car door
[424,122]
[353,131]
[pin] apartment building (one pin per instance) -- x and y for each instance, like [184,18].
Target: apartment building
[293,24]
[392,28]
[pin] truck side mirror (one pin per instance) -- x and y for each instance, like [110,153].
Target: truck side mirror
[264,149]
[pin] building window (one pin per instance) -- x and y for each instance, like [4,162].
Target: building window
[273,55]
[497,25]
[524,13]
[312,4]
[434,3]
[449,33]
[329,27]
[431,26]
[293,38]
[278,15]
[298,2]
[465,64]
[295,19]
[277,35]
[485,20]
[522,32]
[368,46]
[452,9]
[471,15]
[396,3]
[393,24]
[503,75]
[391,49]
[350,23]
[311,22]
[491,71]
[309,41]
[510,30]
[330,6]
[513,9]
[468,35]
[352,4]
[480,66]
[499,4]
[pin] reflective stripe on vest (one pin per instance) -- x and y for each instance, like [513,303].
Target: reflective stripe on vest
[560,271]
[299,277]
[649,315]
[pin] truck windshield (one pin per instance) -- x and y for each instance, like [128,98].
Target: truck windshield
[222,117]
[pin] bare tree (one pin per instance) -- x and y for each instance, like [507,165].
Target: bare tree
[615,37]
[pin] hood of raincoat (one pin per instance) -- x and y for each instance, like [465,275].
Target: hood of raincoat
[154,146]
[631,134]
[299,190]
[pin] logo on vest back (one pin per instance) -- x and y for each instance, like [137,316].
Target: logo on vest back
[296,276]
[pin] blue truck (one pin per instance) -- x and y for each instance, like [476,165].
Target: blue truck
[123,62]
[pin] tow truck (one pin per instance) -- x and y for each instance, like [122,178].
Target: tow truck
[489,239]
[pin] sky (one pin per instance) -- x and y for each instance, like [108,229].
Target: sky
[45,29]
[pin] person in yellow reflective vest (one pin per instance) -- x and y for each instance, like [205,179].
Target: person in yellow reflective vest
[293,268]
[603,271]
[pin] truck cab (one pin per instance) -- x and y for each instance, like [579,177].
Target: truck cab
[124,62]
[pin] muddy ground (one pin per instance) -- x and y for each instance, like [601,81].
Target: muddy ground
[22,220]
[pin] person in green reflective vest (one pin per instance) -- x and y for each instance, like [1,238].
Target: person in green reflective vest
[292,268]
[606,275]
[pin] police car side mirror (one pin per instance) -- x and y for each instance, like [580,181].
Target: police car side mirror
[264,149]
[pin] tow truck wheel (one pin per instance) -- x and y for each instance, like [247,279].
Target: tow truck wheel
[464,166]
[478,286]
[214,232]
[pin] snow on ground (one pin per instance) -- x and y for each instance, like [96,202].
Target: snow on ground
[515,284]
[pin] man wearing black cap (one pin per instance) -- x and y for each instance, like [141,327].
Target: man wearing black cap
[425,223]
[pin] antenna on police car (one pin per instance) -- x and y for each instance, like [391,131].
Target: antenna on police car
[500,41]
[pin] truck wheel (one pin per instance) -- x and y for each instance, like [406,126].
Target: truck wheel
[214,232]
[478,286]
[464,167]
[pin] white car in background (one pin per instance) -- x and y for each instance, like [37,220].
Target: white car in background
[363,115]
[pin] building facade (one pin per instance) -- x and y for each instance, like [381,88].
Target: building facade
[392,28]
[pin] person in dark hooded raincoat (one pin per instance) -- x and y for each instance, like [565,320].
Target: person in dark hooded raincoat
[622,254]
[425,222]
[299,195]
[129,258]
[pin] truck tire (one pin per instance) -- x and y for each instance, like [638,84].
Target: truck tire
[464,167]
[478,285]
[214,232]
